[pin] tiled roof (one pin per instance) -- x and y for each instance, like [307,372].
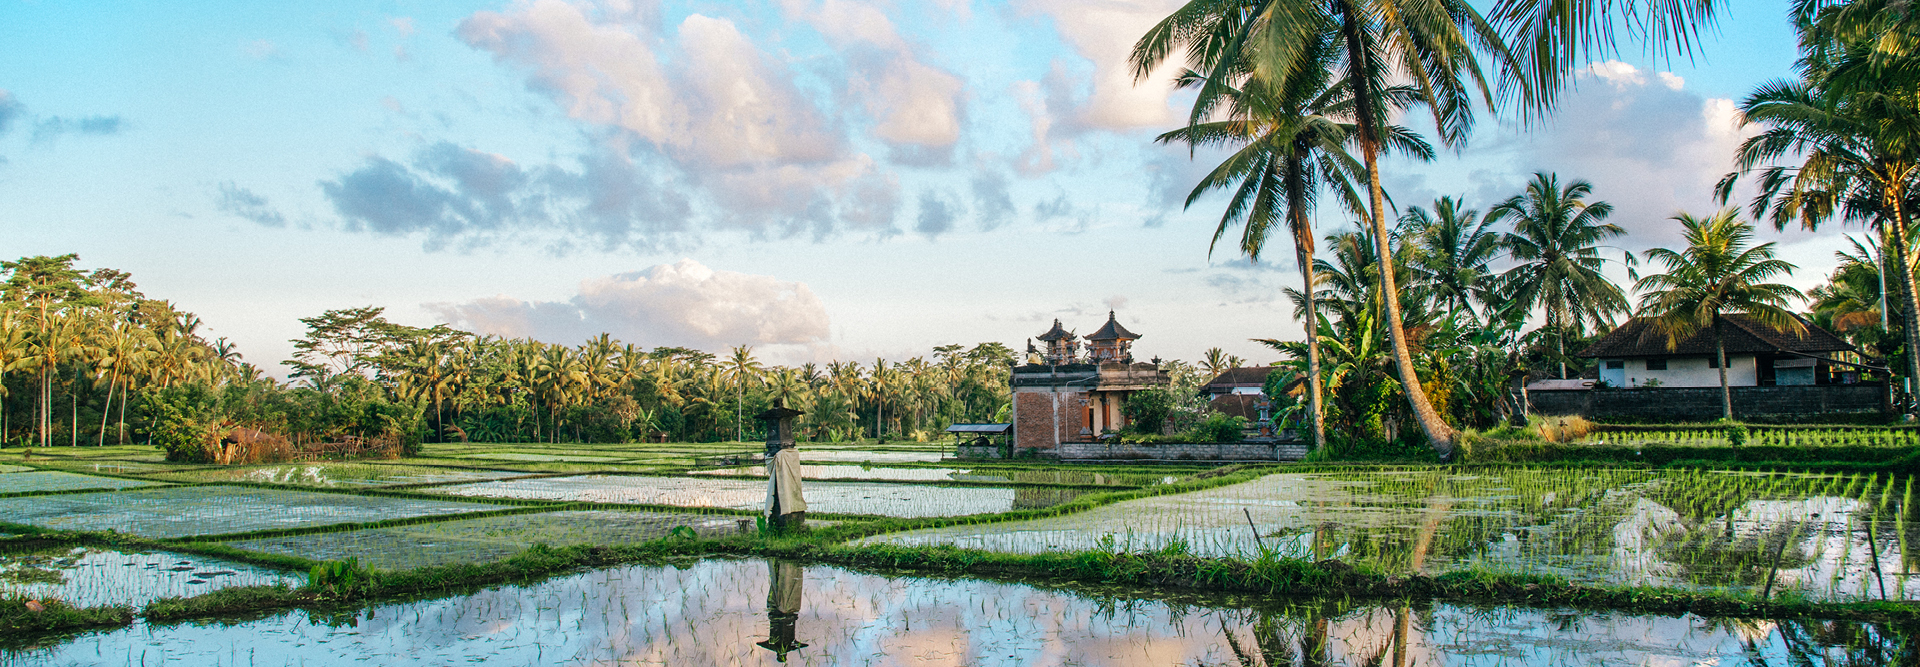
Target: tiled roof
[1639,337]
[1245,376]
[1112,331]
[1238,405]
[1056,333]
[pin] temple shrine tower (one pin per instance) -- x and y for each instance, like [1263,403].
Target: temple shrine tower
[1060,395]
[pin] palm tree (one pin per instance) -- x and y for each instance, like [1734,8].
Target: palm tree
[1859,158]
[1855,295]
[741,368]
[16,352]
[1292,139]
[1215,362]
[1434,43]
[786,385]
[1717,274]
[1556,239]
[1453,250]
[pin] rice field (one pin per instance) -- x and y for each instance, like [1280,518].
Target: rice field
[1762,437]
[213,510]
[1825,536]
[716,612]
[985,475]
[49,480]
[544,458]
[875,499]
[338,475]
[490,538]
[88,577]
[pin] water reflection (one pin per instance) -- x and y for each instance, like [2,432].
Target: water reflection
[783,608]
[1823,536]
[872,498]
[744,612]
[89,577]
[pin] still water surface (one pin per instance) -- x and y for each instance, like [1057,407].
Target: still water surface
[749,612]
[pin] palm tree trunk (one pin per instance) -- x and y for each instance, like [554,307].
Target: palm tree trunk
[1910,303]
[1560,348]
[46,413]
[123,414]
[1437,431]
[73,399]
[1720,350]
[1303,245]
[105,411]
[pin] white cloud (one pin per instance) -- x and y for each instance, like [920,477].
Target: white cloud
[913,104]
[1649,146]
[680,304]
[1104,32]
[720,103]
[694,112]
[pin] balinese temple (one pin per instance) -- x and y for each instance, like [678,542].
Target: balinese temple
[1061,395]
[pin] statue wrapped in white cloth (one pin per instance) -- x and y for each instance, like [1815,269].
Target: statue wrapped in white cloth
[786,504]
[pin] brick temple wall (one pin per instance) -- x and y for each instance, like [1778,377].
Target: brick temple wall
[1703,403]
[1226,451]
[1042,419]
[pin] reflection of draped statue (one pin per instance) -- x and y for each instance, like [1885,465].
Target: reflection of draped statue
[783,608]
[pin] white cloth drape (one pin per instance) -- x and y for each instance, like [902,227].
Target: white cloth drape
[783,482]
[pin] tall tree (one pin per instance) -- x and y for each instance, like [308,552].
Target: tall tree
[1435,44]
[1718,273]
[1291,137]
[741,369]
[1839,148]
[1557,237]
[1453,250]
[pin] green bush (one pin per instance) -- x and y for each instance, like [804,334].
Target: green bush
[1219,427]
[1147,411]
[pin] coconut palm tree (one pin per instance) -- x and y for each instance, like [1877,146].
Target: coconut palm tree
[1436,44]
[741,369]
[1855,295]
[16,353]
[1453,250]
[1215,362]
[1858,158]
[1717,273]
[1292,135]
[1557,239]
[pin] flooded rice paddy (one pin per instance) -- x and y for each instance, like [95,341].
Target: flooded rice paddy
[989,475]
[1826,536]
[344,475]
[213,510]
[89,577]
[753,612]
[875,499]
[49,480]
[490,538]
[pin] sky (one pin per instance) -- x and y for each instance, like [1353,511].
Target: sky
[837,179]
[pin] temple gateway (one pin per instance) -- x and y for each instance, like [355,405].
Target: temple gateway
[1066,394]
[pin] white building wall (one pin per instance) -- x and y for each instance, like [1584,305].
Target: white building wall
[1686,372]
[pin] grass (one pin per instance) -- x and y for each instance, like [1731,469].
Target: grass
[22,626]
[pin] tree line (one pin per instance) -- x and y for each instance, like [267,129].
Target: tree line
[86,358]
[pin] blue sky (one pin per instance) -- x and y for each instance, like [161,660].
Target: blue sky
[840,179]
